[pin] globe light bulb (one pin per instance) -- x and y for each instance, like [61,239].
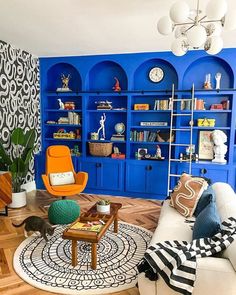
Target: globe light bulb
[164,25]
[213,29]
[213,45]
[216,9]
[196,36]
[179,46]
[179,12]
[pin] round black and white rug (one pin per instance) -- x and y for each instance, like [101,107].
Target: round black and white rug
[48,266]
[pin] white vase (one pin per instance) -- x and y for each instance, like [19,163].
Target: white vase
[103,208]
[18,200]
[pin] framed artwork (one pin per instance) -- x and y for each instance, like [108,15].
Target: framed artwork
[205,145]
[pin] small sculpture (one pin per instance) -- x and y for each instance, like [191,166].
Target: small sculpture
[218,77]
[65,83]
[117,85]
[207,83]
[102,126]
[158,152]
[61,104]
[220,148]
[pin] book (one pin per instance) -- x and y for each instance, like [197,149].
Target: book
[94,226]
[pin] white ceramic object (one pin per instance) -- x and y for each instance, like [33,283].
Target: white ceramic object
[103,208]
[18,200]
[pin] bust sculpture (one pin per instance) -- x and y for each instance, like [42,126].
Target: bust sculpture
[220,148]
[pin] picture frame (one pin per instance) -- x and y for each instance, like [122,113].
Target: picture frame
[205,145]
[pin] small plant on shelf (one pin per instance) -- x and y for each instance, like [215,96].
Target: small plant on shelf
[103,206]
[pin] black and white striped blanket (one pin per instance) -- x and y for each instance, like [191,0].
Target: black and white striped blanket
[176,262]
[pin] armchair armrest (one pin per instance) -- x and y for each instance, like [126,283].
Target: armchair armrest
[81,178]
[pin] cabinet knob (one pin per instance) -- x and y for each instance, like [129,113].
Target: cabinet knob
[203,171]
[98,165]
[149,168]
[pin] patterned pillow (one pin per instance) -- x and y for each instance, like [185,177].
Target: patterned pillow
[62,178]
[186,194]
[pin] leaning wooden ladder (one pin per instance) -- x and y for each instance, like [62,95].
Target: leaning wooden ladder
[174,113]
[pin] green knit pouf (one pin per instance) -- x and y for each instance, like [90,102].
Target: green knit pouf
[63,212]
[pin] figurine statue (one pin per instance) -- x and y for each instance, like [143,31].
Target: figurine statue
[220,148]
[102,126]
[207,83]
[65,83]
[61,104]
[218,77]
[117,85]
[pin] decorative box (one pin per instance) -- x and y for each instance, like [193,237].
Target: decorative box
[141,107]
[206,122]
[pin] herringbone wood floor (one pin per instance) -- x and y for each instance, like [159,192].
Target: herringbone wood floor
[144,213]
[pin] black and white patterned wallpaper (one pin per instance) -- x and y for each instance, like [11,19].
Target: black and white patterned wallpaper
[19,95]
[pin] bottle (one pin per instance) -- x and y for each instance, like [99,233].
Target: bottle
[158,152]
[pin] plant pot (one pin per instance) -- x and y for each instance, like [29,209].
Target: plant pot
[18,200]
[103,208]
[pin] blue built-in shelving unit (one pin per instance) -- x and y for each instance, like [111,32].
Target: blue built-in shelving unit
[92,79]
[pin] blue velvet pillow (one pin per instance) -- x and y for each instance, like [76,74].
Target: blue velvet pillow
[207,196]
[207,223]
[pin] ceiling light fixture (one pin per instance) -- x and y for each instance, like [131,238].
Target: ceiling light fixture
[193,29]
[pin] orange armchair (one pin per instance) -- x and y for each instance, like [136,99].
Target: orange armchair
[58,160]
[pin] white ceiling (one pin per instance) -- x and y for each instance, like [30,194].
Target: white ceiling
[84,27]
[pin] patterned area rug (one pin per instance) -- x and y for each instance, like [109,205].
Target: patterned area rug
[48,266]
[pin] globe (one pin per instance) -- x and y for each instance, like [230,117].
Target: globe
[120,128]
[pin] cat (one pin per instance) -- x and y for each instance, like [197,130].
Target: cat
[37,224]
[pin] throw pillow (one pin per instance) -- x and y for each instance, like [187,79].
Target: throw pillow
[207,224]
[61,178]
[186,194]
[207,196]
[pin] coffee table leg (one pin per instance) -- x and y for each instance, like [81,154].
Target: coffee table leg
[116,224]
[94,256]
[74,253]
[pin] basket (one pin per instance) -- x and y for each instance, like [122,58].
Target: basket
[100,149]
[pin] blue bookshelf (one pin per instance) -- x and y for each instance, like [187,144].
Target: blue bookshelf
[92,80]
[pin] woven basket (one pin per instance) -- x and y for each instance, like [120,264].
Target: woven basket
[100,149]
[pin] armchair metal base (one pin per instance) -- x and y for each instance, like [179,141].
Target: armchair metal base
[4,213]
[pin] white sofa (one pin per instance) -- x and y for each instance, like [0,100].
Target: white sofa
[214,275]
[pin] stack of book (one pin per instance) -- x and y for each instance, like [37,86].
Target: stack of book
[118,137]
[94,226]
[149,136]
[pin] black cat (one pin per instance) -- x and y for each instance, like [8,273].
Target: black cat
[37,224]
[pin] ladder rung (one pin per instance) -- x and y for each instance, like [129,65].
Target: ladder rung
[182,99]
[183,129]
[178,160]
[170,190]
[174,175]
[182,114]
[180,144]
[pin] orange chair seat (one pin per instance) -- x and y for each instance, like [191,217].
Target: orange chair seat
[66,188]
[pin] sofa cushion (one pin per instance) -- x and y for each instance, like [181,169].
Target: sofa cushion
[62,178]
[186,194]
[204,200]
[207,223]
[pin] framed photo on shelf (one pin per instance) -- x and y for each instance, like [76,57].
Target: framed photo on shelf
[205,145]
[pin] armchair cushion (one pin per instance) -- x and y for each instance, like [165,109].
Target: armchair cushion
[62,178]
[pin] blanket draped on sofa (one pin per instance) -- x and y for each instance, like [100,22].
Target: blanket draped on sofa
[176,261]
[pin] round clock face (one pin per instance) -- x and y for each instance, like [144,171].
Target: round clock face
[156,74]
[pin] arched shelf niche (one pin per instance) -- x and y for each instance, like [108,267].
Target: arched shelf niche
[141,76]
[54,77]
[197,71]
[101,76]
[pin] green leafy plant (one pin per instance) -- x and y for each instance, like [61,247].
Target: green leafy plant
[18,162]
[103,202]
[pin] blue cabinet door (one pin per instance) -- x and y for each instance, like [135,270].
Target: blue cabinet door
[103,174]
[156,178]
[135,177]
[146,177]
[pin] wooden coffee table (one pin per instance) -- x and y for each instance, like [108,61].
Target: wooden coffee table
[90,236]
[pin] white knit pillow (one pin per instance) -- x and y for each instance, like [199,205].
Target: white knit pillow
[62,178]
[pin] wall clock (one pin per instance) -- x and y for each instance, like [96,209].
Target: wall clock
[156,74]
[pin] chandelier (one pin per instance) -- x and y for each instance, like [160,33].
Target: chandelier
[193,29]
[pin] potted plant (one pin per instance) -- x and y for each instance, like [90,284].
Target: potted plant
[103,206]
[18,162]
